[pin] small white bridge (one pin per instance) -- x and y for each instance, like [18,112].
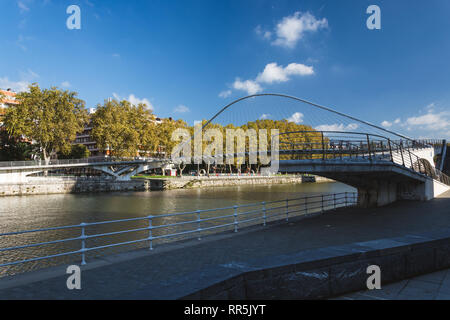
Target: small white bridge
[120,169]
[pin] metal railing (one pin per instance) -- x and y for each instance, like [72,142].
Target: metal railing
[354,146]
[157,229]
[87,161]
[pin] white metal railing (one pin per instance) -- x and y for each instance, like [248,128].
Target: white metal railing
[84,161]
[183,225]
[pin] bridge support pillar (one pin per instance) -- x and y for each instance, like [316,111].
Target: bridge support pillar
[379,194]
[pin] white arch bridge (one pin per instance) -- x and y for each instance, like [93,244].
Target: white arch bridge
[118,168]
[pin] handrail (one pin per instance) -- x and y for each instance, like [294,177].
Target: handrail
[382,148]
[254,212]
[85,161]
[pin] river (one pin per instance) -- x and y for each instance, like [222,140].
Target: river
[33,212]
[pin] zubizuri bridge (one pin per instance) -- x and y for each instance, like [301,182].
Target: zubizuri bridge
[383,165]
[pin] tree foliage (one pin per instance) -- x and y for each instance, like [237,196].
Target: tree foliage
[123,129]
[77,151]
[50,117]
[12,149]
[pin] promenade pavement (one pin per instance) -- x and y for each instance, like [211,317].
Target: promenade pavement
[432,286]
[127,275]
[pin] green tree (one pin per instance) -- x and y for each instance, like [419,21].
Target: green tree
[77,151]
[50,117]
[123,129]
[12,149]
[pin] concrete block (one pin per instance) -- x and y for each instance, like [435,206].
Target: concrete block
[348,277]
[442,255]
[419,261]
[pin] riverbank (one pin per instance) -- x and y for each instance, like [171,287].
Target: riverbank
[43,186]
[190,182]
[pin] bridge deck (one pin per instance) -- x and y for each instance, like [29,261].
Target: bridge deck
[136,275]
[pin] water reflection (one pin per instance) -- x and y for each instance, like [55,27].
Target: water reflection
[33,212]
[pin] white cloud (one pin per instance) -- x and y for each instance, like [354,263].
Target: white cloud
[22,6]
[264,116]
[337,127]
[134,100]
[181,109]
[65,84]
[18,86]
[26,79]
[225,94]
[274,73]
[297,118]
[430,121]
[252,87]
[291,29]
[21,42]
[386,124]
[263,33]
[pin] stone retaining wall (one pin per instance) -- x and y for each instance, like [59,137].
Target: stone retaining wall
[202,182]
[326,272]
[55,186]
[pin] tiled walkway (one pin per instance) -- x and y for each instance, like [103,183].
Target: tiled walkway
[433,286]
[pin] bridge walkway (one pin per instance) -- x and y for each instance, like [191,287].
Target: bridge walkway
[134,274]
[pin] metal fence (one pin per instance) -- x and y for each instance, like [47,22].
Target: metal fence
[353,146]
[152,230]
[85,161]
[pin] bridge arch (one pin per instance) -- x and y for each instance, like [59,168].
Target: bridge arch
[304,101]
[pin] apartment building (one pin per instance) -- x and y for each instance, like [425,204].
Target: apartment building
[8,98]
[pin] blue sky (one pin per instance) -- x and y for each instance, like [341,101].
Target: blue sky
[188,58]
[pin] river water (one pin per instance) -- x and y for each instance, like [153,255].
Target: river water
[35,212]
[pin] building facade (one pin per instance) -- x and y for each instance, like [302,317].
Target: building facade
[7,98]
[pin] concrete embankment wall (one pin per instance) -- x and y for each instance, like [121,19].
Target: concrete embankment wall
[202,182]
[55,186]
[327,272]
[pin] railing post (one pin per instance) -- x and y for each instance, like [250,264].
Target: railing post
[410,159]
[346,198]
[264,213]
[150,235]
[287,210]
[401,152]
[368,147]
[83,244]
[390,150]
[334,200]
[323,147]
[324,150]
[322,204]
[199,225]
[235,219]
